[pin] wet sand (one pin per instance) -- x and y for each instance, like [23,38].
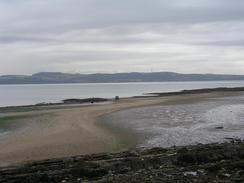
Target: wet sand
[69,132]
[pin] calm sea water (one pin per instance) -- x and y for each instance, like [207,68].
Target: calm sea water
[14,95]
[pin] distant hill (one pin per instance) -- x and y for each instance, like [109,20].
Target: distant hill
[58,77]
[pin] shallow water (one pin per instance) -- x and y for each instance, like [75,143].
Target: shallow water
[168,125]
[13,95]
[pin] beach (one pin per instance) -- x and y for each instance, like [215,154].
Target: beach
[69,131]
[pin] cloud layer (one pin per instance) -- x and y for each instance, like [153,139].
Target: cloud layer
[87,36]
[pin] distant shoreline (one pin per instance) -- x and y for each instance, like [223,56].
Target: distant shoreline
[118,82]
[58,77]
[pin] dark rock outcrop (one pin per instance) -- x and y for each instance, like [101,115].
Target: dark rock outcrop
[201,163]
[199,91]
[86,100]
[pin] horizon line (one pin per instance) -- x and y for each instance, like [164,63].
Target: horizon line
[94,73]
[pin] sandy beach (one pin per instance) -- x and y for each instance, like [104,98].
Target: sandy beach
[54,133]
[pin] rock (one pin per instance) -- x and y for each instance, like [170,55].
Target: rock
[200,163]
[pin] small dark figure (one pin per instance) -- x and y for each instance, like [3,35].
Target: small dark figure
[116,97]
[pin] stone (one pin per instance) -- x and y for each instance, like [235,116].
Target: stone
[200,163]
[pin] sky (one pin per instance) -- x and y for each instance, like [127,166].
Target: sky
[111,36]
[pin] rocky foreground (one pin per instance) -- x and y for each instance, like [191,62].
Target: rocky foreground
[201,163]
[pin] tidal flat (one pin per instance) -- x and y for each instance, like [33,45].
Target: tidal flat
[207,120]
[60,131]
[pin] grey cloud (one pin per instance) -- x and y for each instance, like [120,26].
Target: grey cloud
[31,19]
[65,15]
[228,43]
[67,35]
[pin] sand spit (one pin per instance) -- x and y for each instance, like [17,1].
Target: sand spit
[69,132]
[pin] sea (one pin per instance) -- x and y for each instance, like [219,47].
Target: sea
[17,95]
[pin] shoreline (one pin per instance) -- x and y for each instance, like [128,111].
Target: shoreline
[197,163]
[73,131]
[76,101]
[64,134]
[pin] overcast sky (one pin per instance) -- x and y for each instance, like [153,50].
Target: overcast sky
[88,36]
